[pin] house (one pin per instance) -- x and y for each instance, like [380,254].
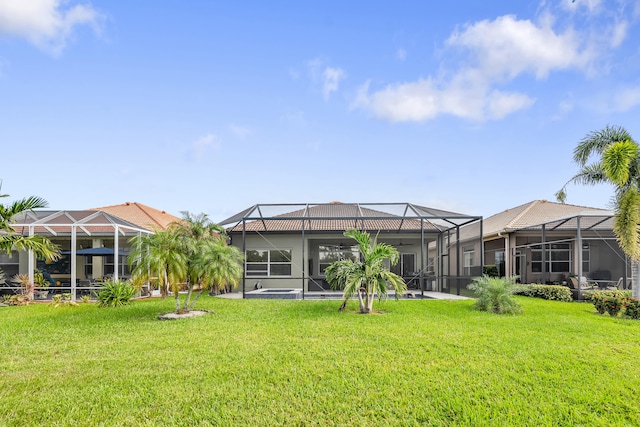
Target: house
[141,215]
[94,244]
[547,242]
[289,246]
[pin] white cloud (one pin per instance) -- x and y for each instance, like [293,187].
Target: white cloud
[202,146]
[507,47]
[425,100]
[327,77]
[619,33]
[493,54]
[626,99]
[240,131]
[331,77]
[46,23]
[564,108]
[401,54]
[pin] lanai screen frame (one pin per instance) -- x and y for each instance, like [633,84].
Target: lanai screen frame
[587,221]
[53,223]
[444,222]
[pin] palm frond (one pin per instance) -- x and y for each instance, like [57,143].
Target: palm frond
[596,142]
[617,160]
[626,219]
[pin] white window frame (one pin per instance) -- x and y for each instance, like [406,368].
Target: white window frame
[468,256]
[551,260]
[266,272]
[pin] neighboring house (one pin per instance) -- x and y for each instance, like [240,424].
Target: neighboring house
[547,242]
[142,215]
[290,245]
[94,244]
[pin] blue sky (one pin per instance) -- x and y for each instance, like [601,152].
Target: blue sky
[212,107]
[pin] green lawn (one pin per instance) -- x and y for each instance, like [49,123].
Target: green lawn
[302,363]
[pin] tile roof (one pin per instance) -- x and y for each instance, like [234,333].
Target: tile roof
[534,213]
[334,216]
[141,215]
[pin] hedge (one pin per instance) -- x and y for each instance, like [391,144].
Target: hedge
[550,292]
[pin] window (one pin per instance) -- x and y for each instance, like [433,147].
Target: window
[586,258]
[500,260]
[431,265]
[265,262]
[123,267]
[406,266]
[88,266]
[558,258]
[467,264]
[9,264]
[328,254]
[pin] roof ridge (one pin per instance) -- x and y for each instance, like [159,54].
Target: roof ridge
[150,215]
[521,214]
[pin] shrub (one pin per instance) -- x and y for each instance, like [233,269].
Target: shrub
[613,304]
[495,295]
[550,292]
[597,298]
[116,293]
[490,270]
[17,299]
[62,300]
[610,301]
[632,308]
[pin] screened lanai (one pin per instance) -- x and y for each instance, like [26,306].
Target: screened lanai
[94,246]
[581,245]
[289,246]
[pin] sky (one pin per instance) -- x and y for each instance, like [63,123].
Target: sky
[212,107]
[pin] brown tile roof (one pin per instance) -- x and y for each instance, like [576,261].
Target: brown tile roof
[334,216]
[140,215]
[534,213]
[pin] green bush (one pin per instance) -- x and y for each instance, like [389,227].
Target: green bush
[116,293]
[490,270]
[632,308]
[550,292]
[611,301]
[495,294]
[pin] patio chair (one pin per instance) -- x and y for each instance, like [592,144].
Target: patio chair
[620,284]
[584,286]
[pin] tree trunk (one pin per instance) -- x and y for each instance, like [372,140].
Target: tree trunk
[193,303]
[363,306]
[177,294]
[635,279]
[370,301]
[187,300]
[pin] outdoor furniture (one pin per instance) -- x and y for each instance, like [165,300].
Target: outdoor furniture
[584,286]
[620,284]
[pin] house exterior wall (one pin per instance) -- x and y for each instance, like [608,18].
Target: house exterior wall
[305,268]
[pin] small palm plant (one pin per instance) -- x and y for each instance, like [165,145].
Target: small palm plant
[368,276]
[495,294]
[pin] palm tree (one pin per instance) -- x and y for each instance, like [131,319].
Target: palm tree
[160,257]
[216,266]
[10,240]
[190,253]
[367,276]
[617,162]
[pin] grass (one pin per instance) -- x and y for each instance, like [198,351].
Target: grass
[302,363]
